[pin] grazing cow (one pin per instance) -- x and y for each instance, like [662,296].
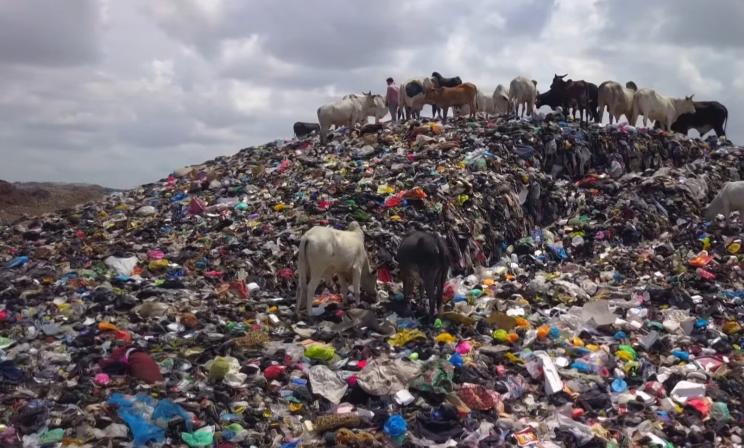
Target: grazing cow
[617,99]
[346,112]
[325,251]
[302,129]
[581,95]
[551,98]
[378,111]
[412,96]
[660,108]
[500,100]
[729,199]
[523,92]
[446,97]
[708,115]
[424,256]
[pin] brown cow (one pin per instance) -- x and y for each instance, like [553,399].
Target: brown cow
[446,97]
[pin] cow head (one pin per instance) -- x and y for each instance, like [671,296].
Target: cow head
[687,106]
[558,81]
[631,85]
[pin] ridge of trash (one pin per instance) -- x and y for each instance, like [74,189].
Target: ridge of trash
[590,304]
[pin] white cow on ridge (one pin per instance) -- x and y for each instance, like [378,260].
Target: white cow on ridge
[500,100]
[659,108]
[378,111]
[617,99]
[523,92]
[346,112]
[412,96]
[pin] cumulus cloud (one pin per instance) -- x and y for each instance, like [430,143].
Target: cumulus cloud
[120,93]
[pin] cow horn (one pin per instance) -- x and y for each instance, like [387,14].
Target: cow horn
[563,76]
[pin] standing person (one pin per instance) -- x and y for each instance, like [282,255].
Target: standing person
[391,99]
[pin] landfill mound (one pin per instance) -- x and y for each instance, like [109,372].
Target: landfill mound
[590,303]
[19,199]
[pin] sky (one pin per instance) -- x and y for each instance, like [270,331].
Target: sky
[120,93]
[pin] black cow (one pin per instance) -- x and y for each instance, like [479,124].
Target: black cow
[551,98]
[446,82]
[708,115]
[441,81]
[302,129]
[581,95]
[424,255]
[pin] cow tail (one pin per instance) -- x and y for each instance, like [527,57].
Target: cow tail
[302,270]
[725,119]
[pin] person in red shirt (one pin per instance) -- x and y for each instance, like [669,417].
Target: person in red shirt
[391,99]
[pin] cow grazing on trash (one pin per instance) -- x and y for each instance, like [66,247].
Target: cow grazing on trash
[659,108]
[301,129]
[523,92]
[446,97]
[424,256]
[377,111]
[730,198]
[500,100]
[580,95]
[346,112]
[617,99]
[708,115]
[325,252]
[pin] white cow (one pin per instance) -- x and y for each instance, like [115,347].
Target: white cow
[659,108]
[500,100]
[346,112]
[729,199]
[523,92]
[618,99]
[413,105]
[378,111]
[325,251]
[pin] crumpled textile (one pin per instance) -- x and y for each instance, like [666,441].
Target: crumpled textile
[406,336]
[478,397]
[327,383]
[387,376]
[436,376]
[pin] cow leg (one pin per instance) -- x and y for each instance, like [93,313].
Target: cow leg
[430,279]
[343,284]
[311,287]
[356,284]
[301,293]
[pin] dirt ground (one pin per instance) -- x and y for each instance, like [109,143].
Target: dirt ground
[29,199]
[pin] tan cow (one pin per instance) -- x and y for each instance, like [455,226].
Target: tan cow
[446,97]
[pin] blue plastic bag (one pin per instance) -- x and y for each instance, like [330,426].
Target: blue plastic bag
[17,262]
[131,412]
[395,426]
[166,410]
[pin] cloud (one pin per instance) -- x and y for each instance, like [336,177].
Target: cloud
[120,93]
[49,32]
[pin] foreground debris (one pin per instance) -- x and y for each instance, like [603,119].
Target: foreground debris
[592,306]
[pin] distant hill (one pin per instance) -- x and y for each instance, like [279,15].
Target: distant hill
[18,199]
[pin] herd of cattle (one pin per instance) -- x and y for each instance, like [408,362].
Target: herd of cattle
[581,97]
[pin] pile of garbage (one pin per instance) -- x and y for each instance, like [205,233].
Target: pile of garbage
[590,305]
